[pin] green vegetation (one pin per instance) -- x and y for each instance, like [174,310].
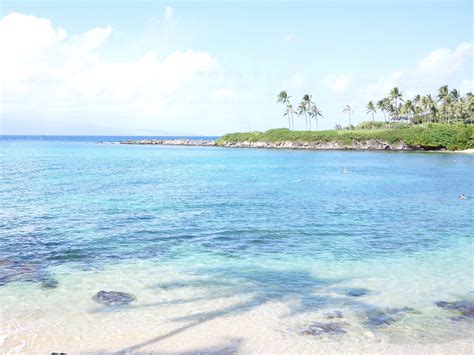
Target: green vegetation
[448,107]
[423,122]
[433,136]
[306,108]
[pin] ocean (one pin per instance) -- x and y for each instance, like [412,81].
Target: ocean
[233,250]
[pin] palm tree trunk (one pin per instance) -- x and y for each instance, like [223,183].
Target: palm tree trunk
[373,121]
[350,124]
[310,123]
[396,108]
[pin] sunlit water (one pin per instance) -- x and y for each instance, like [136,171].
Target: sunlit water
[232,250]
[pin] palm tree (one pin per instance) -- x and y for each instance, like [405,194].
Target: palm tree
[443,98]
[432,108]
[289,112]
[315,112]
[382,106]
[418,108]
[349,111]
[409,109]
[307,100]
[284,98]
[371,109]
[455,98]
[302,110]
[396,95]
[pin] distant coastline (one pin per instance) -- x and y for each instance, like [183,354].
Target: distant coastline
[434,138]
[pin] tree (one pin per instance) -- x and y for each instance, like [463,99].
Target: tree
[302,111]
[371,109]
[304,107]
[409,109]
[432,108]
[308,102]
[396,95]
[283,97]
[285,100]
[315,112]
[443,99]
[418,110]
[349,111]
[289,112]
[455,98]
[382,106]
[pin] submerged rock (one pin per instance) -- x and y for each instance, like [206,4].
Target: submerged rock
[385,317]
[466,308]
[113,298]
[333,314]
[12,271]
[378,318]
[323,329]
[357,292]
[49,282]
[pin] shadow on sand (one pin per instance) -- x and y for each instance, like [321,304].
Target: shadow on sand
[257,286]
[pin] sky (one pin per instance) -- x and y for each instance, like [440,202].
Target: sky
[208,68]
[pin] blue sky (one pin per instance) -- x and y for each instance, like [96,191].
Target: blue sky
[206,68]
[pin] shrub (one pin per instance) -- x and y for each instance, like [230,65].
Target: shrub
[435,136]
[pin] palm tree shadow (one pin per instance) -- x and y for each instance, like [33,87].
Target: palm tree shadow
[258,286]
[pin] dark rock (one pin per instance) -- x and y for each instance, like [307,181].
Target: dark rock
[11,271]
[49,282]
[333,314]
[377,318]
[113,298]
[466,308]
[357,292]
[385,317]
[323,329]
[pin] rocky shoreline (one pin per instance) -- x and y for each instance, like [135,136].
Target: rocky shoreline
[371,144]
[185,142]
[356,145]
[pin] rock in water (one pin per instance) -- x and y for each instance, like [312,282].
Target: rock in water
[378,318]
[466,308]
[49,283]
[113,298]
[357,292]
[323,329]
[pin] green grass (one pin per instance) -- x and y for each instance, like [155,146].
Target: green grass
[436,136]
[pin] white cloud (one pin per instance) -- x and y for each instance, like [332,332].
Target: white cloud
[437,68]
[48,72]
[339,84]
[443,61]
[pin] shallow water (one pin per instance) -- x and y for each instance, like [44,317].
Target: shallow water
[232,249]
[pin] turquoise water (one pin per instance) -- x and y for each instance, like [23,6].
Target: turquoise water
[302,228]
